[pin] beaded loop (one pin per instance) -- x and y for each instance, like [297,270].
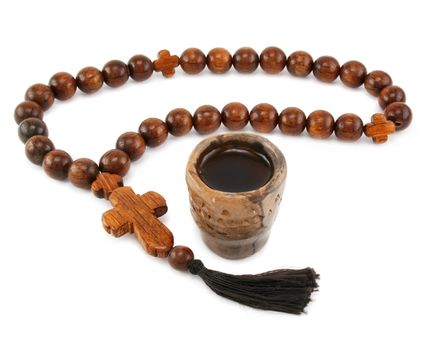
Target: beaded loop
[152,132]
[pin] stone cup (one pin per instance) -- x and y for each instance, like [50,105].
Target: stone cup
[236,224]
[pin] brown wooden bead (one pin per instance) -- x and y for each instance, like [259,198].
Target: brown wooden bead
[132,143]
[292,121]
[63,85]
[40,94]
[56,164]
[353,74]
[179,121]
[115,73]
[89,80]
[380,128]
[154,131]
[192,60]
[166,63]
[105,184]
[235,115]
[219,60]
[348,127]
[31,127]
[27,109]
[206,119]
[263,117]
[376,81]
[320,124]
[400,114]
[37,147]
[140,67]
[180,257]
[391,94]
[300,63]
[272,60]
[245,60]
[115,161]
[83,172]
[326,69]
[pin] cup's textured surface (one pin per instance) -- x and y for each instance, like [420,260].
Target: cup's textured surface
[236,224]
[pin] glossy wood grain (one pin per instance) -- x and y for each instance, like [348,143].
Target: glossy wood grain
[138,214]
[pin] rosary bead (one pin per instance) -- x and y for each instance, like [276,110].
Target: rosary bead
[31,127]
[376,81]
[206,119]
[235,116]
[391,94]
[179,121]
[89,80]
[379,128]
[40,94]
[326,69]
[320,124]
[132,143]
[263,117]
[349,127]
[115,73]
[180,257]
[56,164]
[154,131]
[272,60]
[353,74]
[115,161]
[300,63]
[105,184]
[400,114]
[192,61]
[219,60]
[28,109]
[245,60]
[166,63]
[83,172]
[140,67]
[292,121]
[37,147]
[63,85]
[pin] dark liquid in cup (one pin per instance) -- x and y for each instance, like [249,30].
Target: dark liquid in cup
[235,169]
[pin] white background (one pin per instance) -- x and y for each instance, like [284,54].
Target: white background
[352,211]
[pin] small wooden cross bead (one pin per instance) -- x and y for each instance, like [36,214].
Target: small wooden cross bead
[166,63]
[379,128]
[138,214]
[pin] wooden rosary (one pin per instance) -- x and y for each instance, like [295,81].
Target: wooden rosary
[279,290]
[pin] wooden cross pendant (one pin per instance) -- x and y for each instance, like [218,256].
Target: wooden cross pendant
[139,214]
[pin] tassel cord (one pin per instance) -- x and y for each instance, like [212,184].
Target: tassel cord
[278,290]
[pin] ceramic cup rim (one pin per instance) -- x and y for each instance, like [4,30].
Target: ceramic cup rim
[269,149]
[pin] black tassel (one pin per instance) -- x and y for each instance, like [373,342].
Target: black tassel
[279,290]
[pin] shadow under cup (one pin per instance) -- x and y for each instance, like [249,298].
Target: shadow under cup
[235,223]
